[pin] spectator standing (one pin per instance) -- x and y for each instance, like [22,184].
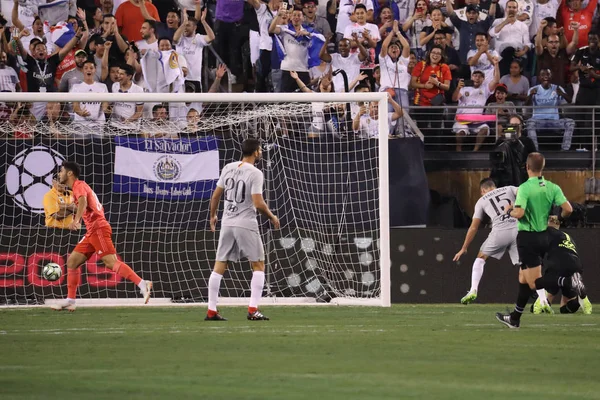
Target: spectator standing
[431,78]
[437,26]
[553,57]
[346,61]
[450,55]
[229,35]
[9,80]
[524,10]
[41,71]
[587,61]
[470,28]
[149,40]
[393,63]
[512,37]
[483,59]
[295,40]
[572,11]
[125,116]
[546,97]
[543,9]
[74,76]
[265,13]
[191,44]
[90,113]
[36,30]
[346,9]
[129,18]
[312,20]
[415,24]
[366,32]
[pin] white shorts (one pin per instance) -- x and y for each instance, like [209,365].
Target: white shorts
[498,242]
[469,128]
[236,243]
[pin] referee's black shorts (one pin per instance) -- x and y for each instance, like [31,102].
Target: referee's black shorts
[532,247]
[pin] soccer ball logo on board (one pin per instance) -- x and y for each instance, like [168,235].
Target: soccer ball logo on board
[29,176]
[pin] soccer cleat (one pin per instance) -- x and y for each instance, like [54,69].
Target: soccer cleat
[145,291]
[216,317]
[537,307]
[507,320]
[586,306]
[257,316]
[470,297]
[68,305]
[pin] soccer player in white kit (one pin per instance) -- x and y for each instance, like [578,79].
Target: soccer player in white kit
[241,185]
[493,203]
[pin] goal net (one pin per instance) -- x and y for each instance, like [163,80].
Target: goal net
[325,181]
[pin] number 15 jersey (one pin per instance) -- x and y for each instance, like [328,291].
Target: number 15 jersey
[240,181]
[494,204]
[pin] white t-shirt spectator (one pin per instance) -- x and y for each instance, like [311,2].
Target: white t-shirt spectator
[359,29]
[369,127]
[265,17]
[525,7]
[394,74]
[94,108]
[471,96]
[296,58]
[515,35]
[191,48]
[123,110]
[484,65]
[350,64]
[8,79]
[178,112]
[144,45]
[549,9]
[346,9]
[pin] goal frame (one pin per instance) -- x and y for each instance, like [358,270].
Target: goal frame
[384,225]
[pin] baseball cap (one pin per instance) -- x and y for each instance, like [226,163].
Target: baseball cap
[471,7]
[35,41]
[80,51]
[502,87]
[99,40]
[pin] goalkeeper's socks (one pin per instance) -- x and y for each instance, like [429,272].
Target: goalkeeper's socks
[256,288]
[126,272]
[214,282]
[73,278]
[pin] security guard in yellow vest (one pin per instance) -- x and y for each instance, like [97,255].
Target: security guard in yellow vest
[59,206]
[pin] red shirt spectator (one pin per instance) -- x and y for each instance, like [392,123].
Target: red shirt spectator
[572,12]
[422,71]
[130,19]
[67,64]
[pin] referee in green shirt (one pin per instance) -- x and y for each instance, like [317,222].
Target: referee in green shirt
[535,199]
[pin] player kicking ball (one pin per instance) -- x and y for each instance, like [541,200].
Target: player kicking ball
[562,270]
[493,203]
[241,185]
[98,238]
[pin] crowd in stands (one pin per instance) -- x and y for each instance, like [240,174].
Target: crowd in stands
[488,57]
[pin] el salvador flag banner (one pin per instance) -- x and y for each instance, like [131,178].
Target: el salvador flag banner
[61,34]
[171,169]
[314,42]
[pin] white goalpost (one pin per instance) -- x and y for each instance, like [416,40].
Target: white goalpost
[327,183]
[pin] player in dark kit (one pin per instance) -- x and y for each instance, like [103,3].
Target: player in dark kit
[563,271]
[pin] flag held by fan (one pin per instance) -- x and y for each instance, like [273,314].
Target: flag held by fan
[172,169]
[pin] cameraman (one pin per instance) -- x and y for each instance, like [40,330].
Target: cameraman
[510,154]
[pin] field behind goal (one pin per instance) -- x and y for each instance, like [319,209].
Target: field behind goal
[402,352]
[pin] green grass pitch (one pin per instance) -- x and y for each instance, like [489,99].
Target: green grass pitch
[404,352]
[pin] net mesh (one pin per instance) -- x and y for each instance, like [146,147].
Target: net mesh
[321,180]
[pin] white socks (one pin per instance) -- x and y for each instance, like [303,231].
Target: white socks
[142,285]
[542,295]
[477,274]
[256,288]
[214,282]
